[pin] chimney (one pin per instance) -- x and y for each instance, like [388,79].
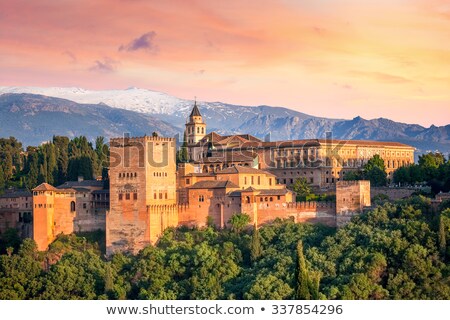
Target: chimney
[80,178]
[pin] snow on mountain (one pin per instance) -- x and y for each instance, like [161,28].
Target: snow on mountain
[281,123]
[134,99]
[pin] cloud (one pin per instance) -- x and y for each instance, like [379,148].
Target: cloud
[108,65]
[72,56]
[380,77]
[345,86]
[145,42]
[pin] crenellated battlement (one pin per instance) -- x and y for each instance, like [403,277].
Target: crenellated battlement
[311,204]
[131,141]
[352,183]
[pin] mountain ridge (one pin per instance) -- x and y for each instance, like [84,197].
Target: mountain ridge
[281,123]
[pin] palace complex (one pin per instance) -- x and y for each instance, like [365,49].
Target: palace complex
[224,175]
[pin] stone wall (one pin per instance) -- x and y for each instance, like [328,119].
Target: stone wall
[392,193]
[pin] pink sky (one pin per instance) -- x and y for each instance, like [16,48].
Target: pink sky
[330,58]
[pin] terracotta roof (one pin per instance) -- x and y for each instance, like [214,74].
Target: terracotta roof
[306,143]
[250,189]
[210,137]
[262,192]
[366,143]
[45,187]
[213,185]
[220,157]
[242,169]
[200,174]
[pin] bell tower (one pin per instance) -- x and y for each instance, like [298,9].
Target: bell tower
[195,127]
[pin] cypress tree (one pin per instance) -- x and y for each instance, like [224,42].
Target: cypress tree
[109,281]
[52,168]
[33,172]
[42,175]
[2,179]
[442,238]
[303,281]
[62,157]
[256,249]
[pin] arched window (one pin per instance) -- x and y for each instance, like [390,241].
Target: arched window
[72,206]
[247,199]
[198,129]
[271,199]
[203,130]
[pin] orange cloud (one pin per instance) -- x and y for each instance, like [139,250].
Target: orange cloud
[301,54]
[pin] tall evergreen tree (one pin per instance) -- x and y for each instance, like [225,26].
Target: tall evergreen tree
[303,282]
[32,174]
[2,179]
[442,238]
[52,167]
[62,157]
[183,152]
[42,176]
[255,249]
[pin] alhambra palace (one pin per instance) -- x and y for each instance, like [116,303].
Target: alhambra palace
[148,192]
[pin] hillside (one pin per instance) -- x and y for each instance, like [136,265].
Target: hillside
[34,119]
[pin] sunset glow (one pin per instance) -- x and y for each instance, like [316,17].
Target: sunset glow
[330,58]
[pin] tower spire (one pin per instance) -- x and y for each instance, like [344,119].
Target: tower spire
[195,112]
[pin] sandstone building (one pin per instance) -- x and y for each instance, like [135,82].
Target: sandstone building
[322,162]
[142,192]
[225,175]
[16,211]
[76,206]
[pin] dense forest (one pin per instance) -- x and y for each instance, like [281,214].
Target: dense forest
[395,251]
[54,162]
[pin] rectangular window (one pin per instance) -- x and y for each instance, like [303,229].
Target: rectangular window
[252,180]
[120,196]
[188,181]
[259,180]
[270,181]
[278,197]
[135,196]
[127,196]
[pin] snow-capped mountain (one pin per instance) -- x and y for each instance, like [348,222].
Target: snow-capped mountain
[281,123]
[134,99]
